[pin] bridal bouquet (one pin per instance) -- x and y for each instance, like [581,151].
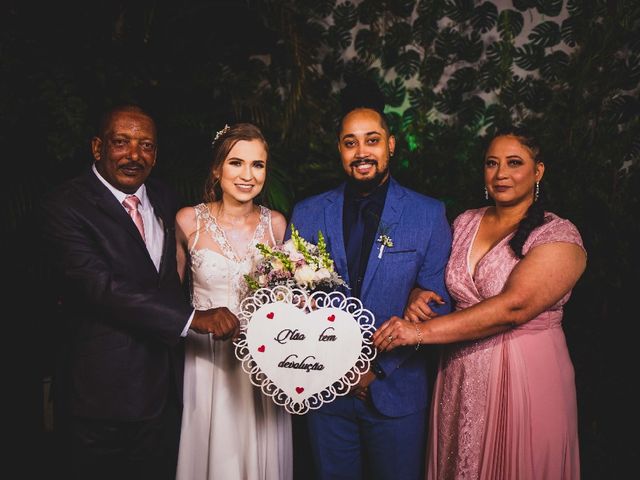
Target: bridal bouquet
[295,263]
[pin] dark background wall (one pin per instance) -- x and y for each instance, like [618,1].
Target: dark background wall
[452,71]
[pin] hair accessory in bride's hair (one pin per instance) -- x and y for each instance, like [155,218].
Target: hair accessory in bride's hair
[219,133]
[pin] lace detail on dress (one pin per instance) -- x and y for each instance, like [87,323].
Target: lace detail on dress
[218,277]
[217,233]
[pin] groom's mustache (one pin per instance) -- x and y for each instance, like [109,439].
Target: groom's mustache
[356,163]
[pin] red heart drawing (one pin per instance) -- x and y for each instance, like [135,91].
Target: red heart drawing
[331,318]
[270,315]
[261,348]
[299,389]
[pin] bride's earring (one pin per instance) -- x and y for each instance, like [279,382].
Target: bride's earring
[537,193]
[486,193]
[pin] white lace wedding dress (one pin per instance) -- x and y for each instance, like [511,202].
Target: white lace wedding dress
[230,431]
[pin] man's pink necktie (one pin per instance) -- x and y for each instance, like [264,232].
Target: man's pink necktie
[131,204]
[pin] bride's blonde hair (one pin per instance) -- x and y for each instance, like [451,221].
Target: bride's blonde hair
[223,142]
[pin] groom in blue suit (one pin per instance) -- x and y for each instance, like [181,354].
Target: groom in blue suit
[386,241]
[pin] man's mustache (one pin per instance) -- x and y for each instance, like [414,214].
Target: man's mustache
[129,165]
[369,161]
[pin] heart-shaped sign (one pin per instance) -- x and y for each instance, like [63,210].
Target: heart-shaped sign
[303,358]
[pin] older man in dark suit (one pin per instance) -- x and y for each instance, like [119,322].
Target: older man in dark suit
[110,237]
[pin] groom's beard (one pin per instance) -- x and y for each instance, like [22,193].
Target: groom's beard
[364,187]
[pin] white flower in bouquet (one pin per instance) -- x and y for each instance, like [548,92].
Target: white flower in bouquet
[304,275]
[296,263]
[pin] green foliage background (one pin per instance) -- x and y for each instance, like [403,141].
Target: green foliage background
[453,71]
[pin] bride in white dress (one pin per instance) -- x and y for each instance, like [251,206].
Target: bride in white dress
[230,431]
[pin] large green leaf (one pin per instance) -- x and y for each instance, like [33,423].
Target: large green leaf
[510,23]
[463,80]
[394,92]
[489,76]
[501,53]
[459,10]
[390,55]
[421,98]
[471,111]
[470,48]
[554,66]
[484,17]
[545,34]
[408,64]
[529,56]
[399,35]
[367,43]
[448,101]
[425,30]
[356,67]
[431,70]
[338,37]
[435,9]
[512,93]
[370,11]
[523,5]
[345,15]
[447,43]
[567,32]
[551,8]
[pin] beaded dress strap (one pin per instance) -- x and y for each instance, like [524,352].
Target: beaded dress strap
[199,209]
[217,233]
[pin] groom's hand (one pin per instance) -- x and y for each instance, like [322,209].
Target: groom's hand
[219,322]
[361,389]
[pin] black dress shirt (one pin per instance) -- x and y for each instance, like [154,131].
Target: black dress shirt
[360,221]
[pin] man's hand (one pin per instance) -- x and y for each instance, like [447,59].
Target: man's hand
[219,322]
[361,389]
[418,309]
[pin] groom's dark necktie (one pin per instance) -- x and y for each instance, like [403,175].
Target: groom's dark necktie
[354,248]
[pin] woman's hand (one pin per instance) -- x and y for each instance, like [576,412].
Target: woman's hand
[397,332]
[418,309]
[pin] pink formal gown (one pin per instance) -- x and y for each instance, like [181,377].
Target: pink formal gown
[504,407]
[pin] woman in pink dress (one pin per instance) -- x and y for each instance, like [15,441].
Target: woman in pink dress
[504,404]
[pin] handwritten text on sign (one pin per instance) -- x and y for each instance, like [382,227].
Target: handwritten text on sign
[303,353]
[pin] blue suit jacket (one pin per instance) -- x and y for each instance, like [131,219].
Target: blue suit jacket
[421,238]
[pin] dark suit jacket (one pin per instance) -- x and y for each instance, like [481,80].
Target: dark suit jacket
[120,344]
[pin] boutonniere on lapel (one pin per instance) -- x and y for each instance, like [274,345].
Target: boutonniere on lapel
[385,241]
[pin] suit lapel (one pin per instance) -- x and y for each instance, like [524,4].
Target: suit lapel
[108,204]
[334,234]
[391,213]
[159,210]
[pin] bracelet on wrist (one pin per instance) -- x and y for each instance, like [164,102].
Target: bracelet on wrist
[419,335]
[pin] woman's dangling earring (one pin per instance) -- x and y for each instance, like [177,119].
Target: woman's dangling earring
[537,194]
[486,193]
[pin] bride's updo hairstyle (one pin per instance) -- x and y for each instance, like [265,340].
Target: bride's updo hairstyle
[535,213]
[222,144]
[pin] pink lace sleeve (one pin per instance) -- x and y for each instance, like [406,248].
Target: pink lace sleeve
[555,229]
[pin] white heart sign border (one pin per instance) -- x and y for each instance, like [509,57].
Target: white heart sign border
[343,310]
